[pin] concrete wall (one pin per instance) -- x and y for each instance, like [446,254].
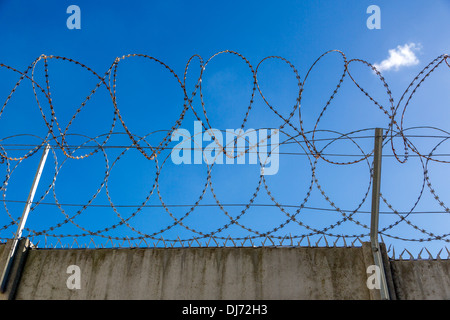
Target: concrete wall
[421,279]
[224,273]
[198,273]
[14,274]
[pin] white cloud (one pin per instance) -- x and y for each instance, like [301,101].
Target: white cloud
[402,56]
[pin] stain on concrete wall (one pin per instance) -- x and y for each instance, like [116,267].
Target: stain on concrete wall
[421,279]
[224,273]
[197,273]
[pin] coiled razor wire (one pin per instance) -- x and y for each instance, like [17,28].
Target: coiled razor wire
[57,136]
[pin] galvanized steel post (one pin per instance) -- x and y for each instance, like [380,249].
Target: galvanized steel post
[23,220]
[378,147]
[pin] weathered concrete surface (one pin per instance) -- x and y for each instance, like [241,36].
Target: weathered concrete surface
[421,279]
[16,268]
[224,273]
[198,273]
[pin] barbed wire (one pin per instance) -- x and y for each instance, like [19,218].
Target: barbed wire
[292,129]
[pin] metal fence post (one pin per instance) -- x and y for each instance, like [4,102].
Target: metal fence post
[23,220]
[384,292]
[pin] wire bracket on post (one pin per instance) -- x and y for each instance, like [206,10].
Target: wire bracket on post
[384,291]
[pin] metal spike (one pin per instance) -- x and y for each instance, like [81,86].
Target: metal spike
[92,242]
[429,254]
[448,252]
[75,241]
[438,257]
[317,243]
[112,244]
[410,255]
[360,241]
[281,242]
[345,242]
[181,243]
[31,240]
[335,242]
[419,255]
[225,243]
[326,242]
[309,243]
[199,244]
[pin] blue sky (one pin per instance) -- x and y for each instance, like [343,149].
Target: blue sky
[150,98]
